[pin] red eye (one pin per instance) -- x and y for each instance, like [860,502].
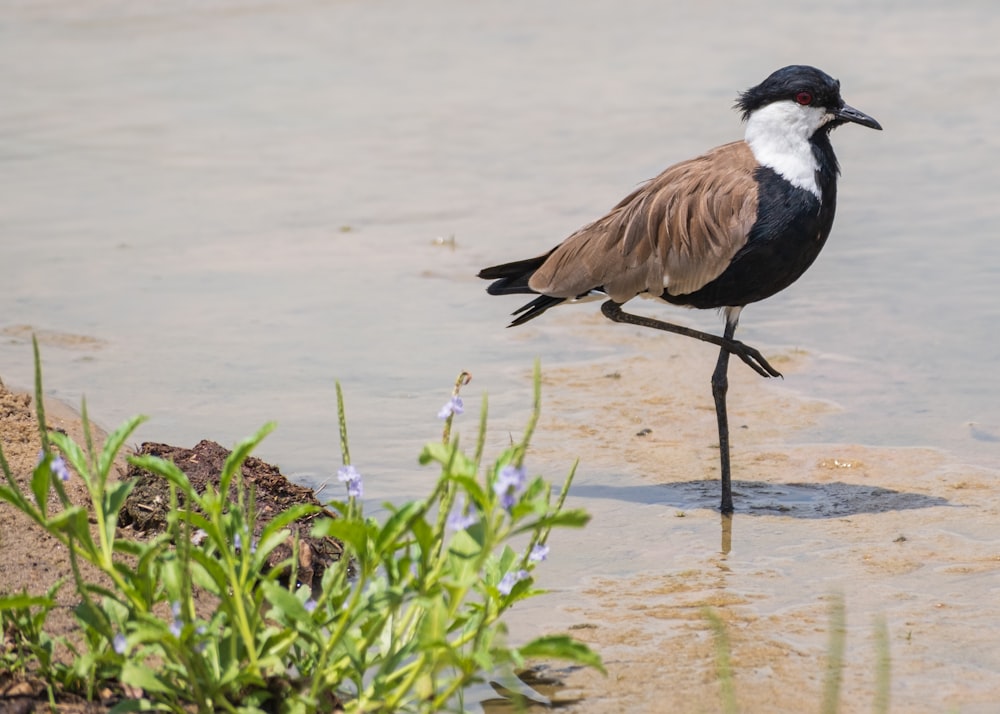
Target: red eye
[804,98]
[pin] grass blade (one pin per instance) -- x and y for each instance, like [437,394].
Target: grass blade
[723,665]
[883,667]
[835,656]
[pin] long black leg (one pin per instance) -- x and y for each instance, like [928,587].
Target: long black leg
[720,385]
[613,311]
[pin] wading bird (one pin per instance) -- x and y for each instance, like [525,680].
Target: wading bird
[723,230]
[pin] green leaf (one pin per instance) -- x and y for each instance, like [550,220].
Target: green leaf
[73,454]
[88,614]
[352,533]
[423,534]
[39,400]
[292,514]
[467,544]
[566,519]
[269,540]
[507,558]
[166,469]
[342,422]
[272,535]
[15,497]
[463,565]
[285,601]
[131,547]
[279,641]
[114,498]
[153,631]
[434,624]
[113,444]
[397,524]
[449,456]
[240,453]
[137,675]
[133,705]
[213,569]
[435,451]
[40,480]
[477,494]
[198,521]
[565,648]
[73,521]
[22,601]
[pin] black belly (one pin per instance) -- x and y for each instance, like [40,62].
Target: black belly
[789,233]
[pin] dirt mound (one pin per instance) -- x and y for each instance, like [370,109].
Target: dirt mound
[145,510]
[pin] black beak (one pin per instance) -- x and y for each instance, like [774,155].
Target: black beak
[850,114]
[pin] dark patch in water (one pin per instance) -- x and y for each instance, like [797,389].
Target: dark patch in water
[798,500]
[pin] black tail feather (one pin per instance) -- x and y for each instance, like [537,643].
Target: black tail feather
[512,279]
[534,308]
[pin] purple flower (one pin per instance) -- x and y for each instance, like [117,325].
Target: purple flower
[350,476]
[119,644]
[539,553]
[510,484]
[458,519]
[238,543]
[58,467]
[176,625]
[454,406]
[511,579]
[309,605]
[200,647]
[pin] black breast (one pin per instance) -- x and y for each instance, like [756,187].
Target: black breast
[791,228]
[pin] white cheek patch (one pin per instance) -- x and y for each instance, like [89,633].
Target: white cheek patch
[779,133]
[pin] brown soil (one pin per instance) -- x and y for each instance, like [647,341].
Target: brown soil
[32,560]
[145,510]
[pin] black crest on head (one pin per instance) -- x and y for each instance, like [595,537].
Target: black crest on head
[787,83]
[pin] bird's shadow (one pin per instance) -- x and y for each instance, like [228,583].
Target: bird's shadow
[833,499]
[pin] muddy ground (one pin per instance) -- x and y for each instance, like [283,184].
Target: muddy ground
[910,536]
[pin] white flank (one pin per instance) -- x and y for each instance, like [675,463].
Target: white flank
[778,135]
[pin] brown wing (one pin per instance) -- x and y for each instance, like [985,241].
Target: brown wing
[679,230]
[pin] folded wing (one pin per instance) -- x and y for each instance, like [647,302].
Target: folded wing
[678,232]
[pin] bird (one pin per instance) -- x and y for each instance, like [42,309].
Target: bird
[720,231]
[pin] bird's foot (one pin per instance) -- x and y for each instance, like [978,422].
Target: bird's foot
[752,357]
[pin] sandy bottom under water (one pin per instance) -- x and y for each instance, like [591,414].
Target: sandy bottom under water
[905,534]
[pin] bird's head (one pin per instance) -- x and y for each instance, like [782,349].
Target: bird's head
[800,99]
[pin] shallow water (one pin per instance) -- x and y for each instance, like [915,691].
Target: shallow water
[212,211]
[238,203]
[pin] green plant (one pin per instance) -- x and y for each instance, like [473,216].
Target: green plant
[22,631]
[404,623]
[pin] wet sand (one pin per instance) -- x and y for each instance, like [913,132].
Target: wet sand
[904,534]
